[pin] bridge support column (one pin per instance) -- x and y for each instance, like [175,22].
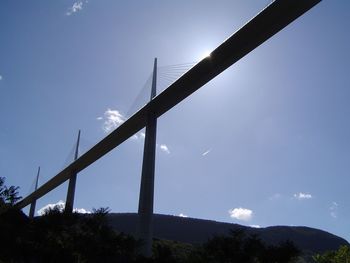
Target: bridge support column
[72,182]
[33,204]
[145,211]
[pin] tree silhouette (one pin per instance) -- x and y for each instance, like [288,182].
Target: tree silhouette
[342,255]
[63,237]
[237,247]
[8,195]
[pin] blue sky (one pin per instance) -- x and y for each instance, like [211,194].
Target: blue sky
[265,143]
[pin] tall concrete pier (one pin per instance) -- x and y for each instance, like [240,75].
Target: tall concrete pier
[145,210]
[72,182]
[33,204]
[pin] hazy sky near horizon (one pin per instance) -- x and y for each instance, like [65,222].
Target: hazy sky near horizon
[264,143]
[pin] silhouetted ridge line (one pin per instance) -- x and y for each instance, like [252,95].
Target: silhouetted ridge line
[195,231]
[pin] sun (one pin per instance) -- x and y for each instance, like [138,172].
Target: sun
[205,54]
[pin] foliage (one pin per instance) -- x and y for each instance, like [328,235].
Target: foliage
[8,195]
[71,237]
[342,255]
[237,247]
[169,251]
[59,237]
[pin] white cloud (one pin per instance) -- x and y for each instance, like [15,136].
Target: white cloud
[0,77]
[302,196]
[77,6]
[182,215]
[206,152]
[164,148]
[240,213]
[334,210]
[112,119]
[60,205]
[81,211]
[255,226]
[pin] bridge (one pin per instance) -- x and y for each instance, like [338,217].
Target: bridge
[263,26]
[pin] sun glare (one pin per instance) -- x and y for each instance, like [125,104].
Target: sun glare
[205,54]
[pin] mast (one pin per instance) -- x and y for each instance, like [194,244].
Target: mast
[72,182]
[33,204]
[145,210]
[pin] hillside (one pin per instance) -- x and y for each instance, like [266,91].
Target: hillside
[191,230]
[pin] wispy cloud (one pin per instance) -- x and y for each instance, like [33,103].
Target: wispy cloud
[111,120]
[164,148]
[0,77]
[135,137]
[255,226]
[302,196]
[240,213]
[334,209]
[77,6]
[140,135]
[275,196]
[182,215]
[206,152]
[60,205]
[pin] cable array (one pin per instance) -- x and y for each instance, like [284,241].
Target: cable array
[142,98]
[167,75]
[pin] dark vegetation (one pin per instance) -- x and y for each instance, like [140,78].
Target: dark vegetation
[342,255]
[197,231]
[56,237]
[59,237]
[8,195]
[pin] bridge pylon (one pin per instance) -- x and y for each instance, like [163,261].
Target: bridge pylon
[145,210]
[72,182]
[33,204]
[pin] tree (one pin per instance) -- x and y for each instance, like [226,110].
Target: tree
[240,248]
[8,195]
[342,255]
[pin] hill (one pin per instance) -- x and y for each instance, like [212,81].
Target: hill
[196,231]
